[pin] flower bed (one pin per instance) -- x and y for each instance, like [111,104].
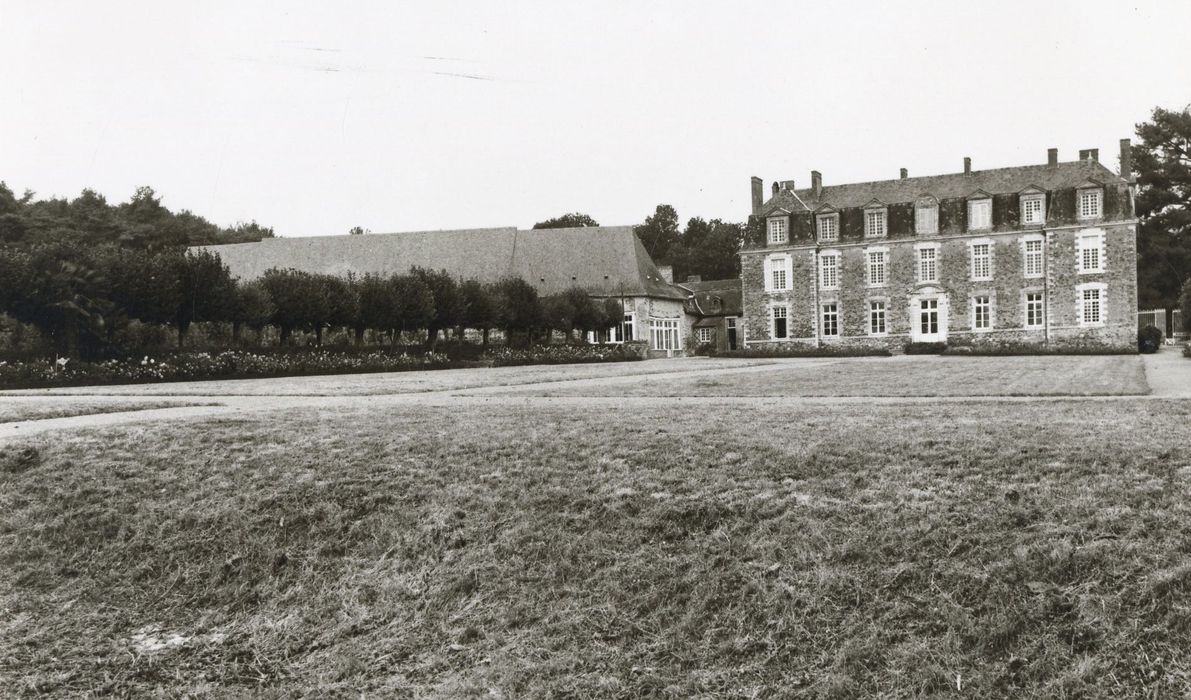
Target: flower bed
[229,364]
[562,354]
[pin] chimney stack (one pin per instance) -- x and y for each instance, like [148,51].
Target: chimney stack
[967,165]
[1052,156]
[905,173]
[1083,154]
[816,184]
[788,185]
[1095,154]
[1126,160]
[775,187]
[758,195]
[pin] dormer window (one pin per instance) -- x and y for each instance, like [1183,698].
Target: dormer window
[827,226]
[778,233]
[874,223]
[1033,209]
[926,216]
[979,214]
[1089,203]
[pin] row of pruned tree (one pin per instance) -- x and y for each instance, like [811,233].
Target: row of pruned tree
[78,297]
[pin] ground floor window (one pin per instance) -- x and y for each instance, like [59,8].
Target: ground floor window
[981,313]
[876,318]
[830,320]
[928,317]
[664,334]
[1034,317]
[780,329]
[1091,306]
[703,335]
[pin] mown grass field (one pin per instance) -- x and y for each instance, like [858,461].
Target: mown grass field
[978,549]
[13,410]
[1055,375]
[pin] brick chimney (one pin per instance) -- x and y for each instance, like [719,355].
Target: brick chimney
[775,187]
[1052,156]
[1127,160]
[967,165]
[1094,154]
[816,184]
[758,194]
[788,185]
[905,173]
[667,273]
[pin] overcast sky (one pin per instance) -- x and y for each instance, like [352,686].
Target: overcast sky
[413,116]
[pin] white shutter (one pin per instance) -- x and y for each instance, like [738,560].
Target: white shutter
[788,263]
[768,275]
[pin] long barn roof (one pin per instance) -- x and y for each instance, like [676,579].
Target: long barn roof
[604,260]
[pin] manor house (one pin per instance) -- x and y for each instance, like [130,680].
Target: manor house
[1040,256]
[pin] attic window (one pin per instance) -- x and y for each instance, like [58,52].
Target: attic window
[926,216]
[1089,203]
[1033,209]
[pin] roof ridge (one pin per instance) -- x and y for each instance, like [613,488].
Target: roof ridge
[953,174]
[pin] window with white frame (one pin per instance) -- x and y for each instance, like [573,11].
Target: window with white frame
[1032,257]
[830,320]
[1089,203]
[979,214]
[780,328]
[928,265]
[1035,317]
[981,313]
[778,273]
[876,318]
[828,227]
[777,230]
[982,260]
[1033,211]
[926,217]
[874,223]
[829,270]
[876,268]
[703,335]
[1090,301]
[664,334]
[1090,251]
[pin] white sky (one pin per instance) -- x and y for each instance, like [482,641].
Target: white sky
[315,117]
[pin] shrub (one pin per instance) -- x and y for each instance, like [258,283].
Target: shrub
[925,348]
[804,351]
[1013,349]
[1149,339]
[561,354]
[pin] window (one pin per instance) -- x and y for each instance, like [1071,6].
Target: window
[876,318]
[1032,210]
[830,320]
[981,313]
[703,335]
[981,261]
[1032,248]
[928,268]
[780,329]
[979,214]
[664,334]
[928,317]
[778,272]
[1090,302]
[1089,204]
[926,217]
[1034,310]
[876,268]
[874,223]
[828,227]
[623,331]
[777,230]
[1090,249]
[829,270]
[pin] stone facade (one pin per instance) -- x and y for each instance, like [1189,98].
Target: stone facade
[948,300]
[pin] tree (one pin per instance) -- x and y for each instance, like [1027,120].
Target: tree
[518,308]
[357,231]
[448,303]
[1162,162]
[414,303]
[659,232]
[253,307]
[340,306]
[59,290]
[572,220]
[479,307]
[376,306]
[708,249]
[206,290]
[298,300]
[1185,305]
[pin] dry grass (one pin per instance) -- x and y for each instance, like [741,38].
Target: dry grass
[1012,550]
[1113,375]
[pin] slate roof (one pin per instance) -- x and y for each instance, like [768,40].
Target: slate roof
[604,260]
[996,181]
[714,298]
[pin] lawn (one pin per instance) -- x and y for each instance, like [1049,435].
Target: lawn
[1112,375]
[1008,550]
[13,410]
